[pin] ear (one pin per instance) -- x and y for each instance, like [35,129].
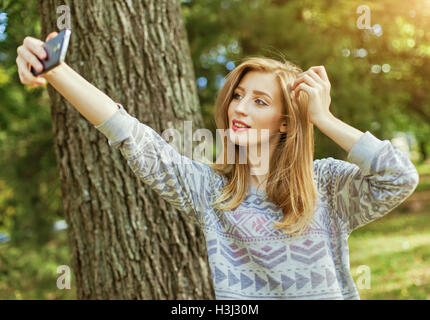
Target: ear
[283,128]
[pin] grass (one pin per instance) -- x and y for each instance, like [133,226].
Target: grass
[30,273]
[424,167]
[424,172]
[423,186]
[396,248]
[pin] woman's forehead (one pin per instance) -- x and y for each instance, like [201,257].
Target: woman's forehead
[261,81]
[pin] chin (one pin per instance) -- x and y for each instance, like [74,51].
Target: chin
[241,139]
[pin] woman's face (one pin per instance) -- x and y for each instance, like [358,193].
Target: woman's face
[257,103]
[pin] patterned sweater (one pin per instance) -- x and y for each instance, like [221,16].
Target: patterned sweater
[248,258]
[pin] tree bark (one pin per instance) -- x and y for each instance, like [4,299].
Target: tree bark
[126,242]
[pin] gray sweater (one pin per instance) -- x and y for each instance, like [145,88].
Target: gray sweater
[248,258]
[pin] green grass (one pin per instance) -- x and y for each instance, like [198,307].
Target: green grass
[423,168]
[424,172]
[30,273]
[423,186]
[396,248]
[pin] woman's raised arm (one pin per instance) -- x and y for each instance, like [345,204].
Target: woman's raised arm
[91,102]
[185,183]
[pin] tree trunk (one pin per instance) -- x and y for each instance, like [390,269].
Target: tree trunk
[126,242]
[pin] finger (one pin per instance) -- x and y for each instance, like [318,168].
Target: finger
[312,79]
[320,70]
[22,70]
[35,46]
[301,78]
[25,75]
[308,80]
[306,88]
[51,35]
[316,77]
[30,58]
[322,75]
[295,81]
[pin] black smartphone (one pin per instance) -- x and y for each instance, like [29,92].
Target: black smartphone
[56,49]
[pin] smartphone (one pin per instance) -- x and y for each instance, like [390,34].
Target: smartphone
[56,49]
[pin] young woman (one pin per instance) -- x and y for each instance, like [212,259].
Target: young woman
[280,234]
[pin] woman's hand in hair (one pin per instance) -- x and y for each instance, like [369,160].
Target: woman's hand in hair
[315,83]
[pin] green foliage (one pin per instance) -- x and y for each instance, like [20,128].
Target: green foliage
[306,32]
[396,250]
[29,178]
[30,271]
[424,168]
[324,33]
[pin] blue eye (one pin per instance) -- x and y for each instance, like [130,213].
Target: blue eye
[264,104]
[261,104]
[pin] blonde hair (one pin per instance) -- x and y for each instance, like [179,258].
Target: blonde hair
[290,183]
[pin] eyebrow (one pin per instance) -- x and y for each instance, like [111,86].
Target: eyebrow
[257,92]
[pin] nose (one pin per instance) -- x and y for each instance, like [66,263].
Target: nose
[241,106]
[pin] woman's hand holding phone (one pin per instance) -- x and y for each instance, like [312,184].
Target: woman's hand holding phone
[91,102]
[29,54]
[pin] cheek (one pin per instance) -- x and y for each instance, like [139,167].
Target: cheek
[229,112]
[268,121]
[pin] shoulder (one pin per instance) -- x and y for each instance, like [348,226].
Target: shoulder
[326,166]
[331,165]
[218,179]
[212,176]
[327,170]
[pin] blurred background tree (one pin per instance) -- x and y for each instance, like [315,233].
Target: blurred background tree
[99,217]
[29,177]
[378,76]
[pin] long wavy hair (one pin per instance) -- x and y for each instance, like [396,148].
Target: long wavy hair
[290,182]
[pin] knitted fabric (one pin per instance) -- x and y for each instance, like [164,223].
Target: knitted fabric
[248,258]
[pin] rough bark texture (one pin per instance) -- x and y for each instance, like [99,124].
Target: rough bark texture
[126,242]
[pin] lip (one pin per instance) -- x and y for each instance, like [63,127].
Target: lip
[235,128]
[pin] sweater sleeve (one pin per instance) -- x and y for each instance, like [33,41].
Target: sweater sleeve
[377,178]
[184,183]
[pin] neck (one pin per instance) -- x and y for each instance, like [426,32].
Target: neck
[259,165]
